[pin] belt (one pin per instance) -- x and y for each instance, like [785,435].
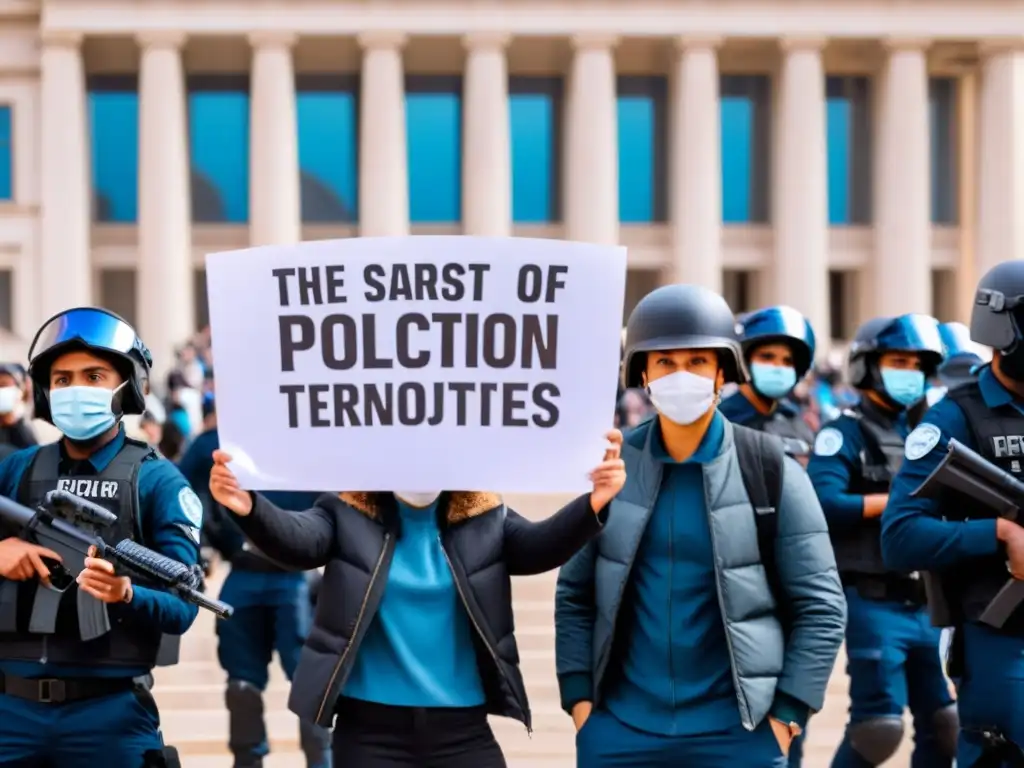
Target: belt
[53,690]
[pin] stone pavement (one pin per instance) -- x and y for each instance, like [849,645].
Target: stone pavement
[194,719]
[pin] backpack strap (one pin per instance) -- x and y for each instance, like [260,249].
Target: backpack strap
[761,458]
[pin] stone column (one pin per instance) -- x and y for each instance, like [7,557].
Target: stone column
[65,274]
[274,197]
[591,146]
[487,150]
[902,274]
[695,172]
[383,156]
[800,178]
[165,303]
[1000,203]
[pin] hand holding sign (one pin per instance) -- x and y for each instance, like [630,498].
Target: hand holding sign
[610,475]
[224,486]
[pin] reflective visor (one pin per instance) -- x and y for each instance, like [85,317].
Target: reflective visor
[93,327]
[913,333]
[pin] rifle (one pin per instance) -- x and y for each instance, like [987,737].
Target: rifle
[69,525]
[972,475]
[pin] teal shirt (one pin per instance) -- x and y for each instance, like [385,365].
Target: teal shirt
[418,650]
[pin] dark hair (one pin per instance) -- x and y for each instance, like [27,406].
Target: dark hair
[172,441]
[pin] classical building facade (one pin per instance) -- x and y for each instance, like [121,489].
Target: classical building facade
[847,157]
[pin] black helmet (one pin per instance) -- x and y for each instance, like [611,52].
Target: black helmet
[682,317]
[95,330]
[906,333]
[996,320]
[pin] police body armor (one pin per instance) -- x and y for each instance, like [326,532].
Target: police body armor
[127,644]
[796,436]
[999,437]
[860,551]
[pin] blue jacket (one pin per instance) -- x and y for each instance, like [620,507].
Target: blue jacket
[765,662]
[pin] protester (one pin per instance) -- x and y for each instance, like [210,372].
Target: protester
[14,391]
[413,646]
[701,627]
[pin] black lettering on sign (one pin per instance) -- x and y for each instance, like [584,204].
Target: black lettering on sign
[430,337]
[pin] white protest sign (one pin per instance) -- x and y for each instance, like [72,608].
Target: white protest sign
[416,363]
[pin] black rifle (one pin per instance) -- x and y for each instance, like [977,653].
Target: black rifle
[972,475]
[61,523]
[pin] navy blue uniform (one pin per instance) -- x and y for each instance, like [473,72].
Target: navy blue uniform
[122,726]
[272,612]
[892,649]
[914,536]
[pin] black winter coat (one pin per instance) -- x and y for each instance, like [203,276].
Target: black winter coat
[354,535]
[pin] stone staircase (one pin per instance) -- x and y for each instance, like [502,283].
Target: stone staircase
[191,694]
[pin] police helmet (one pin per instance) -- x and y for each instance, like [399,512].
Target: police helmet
[961,355]
[779,325]
[996,320]
[905,333]
[94,330]
[682,317]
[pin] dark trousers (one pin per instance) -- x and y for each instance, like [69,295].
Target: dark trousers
[368,735]
[893,664]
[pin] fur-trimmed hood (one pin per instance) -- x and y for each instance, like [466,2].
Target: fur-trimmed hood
[462,505]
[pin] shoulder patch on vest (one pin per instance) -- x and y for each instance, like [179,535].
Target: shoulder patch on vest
[828,442]
[191,506]
[922,440]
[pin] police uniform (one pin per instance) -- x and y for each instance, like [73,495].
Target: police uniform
[955,538]
[892,649]
[68,702]
[272,612]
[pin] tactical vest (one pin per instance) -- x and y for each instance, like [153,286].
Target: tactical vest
[796,436]
[860,551]
[998,435]
[127,644]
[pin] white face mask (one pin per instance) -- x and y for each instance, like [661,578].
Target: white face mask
[418,498]
[9,399]
[682,397]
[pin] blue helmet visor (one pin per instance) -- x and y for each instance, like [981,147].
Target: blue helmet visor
[912,333]
[957,339]
[778,321]
[95,328]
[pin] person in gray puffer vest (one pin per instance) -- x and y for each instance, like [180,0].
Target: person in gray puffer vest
[690,631]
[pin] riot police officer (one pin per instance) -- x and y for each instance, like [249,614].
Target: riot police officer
[272,612]
[15,430]
[778,344]
[65,701]
[892,649]
[956,538]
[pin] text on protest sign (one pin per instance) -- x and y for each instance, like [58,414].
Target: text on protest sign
[365,363]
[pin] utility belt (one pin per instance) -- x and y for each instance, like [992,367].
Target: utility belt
[898,588]
[63,690]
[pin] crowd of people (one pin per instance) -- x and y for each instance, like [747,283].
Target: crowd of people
[752,511]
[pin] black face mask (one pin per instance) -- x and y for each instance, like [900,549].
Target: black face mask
[1013,364]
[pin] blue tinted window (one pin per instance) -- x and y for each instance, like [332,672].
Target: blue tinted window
[6,154]
[433,114]
[328,125]
[218,121]
[641,125]
[535,124]
[745,105]
[848,126]
[942,97]
[114,133]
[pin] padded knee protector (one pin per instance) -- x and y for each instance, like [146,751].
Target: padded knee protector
[946,723]
[316,744]
[247,730]
[877,739]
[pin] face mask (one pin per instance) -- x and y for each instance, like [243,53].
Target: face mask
[905,387]
[682,397]
[9,399]
[82,413]
[418,498]
[773,381]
